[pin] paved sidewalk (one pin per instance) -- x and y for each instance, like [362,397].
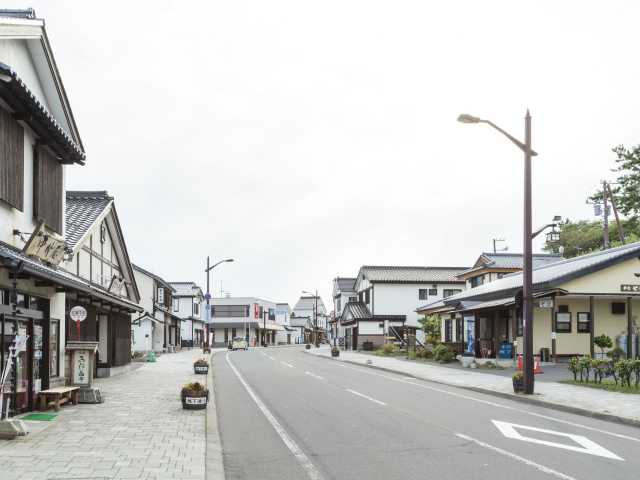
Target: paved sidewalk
[586,401]
[139,432]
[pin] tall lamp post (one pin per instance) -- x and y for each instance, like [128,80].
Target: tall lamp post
[207,347]
[527,299]
[315,318]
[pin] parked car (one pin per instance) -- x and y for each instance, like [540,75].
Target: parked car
[239,343]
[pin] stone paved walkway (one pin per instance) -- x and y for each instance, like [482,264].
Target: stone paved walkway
[580,399]
[139,432]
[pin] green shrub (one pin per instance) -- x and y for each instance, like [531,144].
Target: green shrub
[624,369]
[443,354]
[600,369]
[636,371]
[518,375]
[584,364]
[574,367]
[387,349]
[602,342]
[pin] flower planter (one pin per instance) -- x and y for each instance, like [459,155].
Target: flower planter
[335,352]
[307,346]
[194,396]
[518,385]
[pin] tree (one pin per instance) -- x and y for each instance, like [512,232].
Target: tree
[431,326]
[584,236]
[602,342]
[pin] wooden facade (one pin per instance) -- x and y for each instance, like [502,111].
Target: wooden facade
[11,160]
[47,188]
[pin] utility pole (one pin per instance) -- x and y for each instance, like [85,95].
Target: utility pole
[315,320]
[527,290]
[207,347]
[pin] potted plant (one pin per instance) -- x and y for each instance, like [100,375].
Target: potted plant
[308,346]
[201,366]
[335,351]
[518,382]
[194,396]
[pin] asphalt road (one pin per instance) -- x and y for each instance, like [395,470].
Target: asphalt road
[284,414]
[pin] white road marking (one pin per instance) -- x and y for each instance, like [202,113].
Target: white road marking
[494,404]
[367,397]
[310,468]
[314,375]
[287,364]
[586,446]
[518,458]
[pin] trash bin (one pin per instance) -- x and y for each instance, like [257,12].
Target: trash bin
[367,346]
[544,355]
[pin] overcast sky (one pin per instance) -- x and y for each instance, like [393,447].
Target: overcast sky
[305,139]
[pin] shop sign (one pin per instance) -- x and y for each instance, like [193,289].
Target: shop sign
[81,367]
[545,303]
[45,246]
[470,321]
[195,400]
[21,343]
[78,313]
[630,288]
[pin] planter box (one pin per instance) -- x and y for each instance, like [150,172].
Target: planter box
[195,401]
[307,346]
[335,352]
[201,369]
[518,385]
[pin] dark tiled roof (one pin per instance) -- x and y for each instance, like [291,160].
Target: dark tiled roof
[550,275]
[392,274]
[28,13]
[83,208]
[358,310]
[26,105]
[346,284]
[514,260]
[10,256]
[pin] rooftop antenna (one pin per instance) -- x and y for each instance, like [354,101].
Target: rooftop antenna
[495,247]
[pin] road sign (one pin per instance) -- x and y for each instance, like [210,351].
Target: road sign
[584,445]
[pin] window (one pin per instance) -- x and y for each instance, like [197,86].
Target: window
[272,314]
[618,308]
[477,281]
[226,335]
[48,189]
[563,308]
[233,333]
[447,292]
[448,330]
[563,320]
[176,304]
[12,161]
[423,294]
[338,309]
[459,330]
[584,322]
[54,347]
[230,310]
[433,292]
[367,296]
[353,299]
[361,296]
[196,308]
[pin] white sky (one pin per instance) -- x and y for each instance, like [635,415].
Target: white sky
[305,139]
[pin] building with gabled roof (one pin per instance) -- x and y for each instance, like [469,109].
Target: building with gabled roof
[188,301]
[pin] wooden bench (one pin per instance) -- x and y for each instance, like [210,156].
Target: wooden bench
[54,397]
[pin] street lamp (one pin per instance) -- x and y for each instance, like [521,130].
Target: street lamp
[527,284]
[315,318]
[207,347]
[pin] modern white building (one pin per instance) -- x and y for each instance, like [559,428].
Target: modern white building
[385,305]
[188,306]
[249,317]
[286,336]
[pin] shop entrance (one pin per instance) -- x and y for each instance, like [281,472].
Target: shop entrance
[26,380]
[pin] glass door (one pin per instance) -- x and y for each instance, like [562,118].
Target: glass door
[37,369]
[22,370]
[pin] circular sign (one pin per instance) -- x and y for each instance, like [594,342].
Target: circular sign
[78,313]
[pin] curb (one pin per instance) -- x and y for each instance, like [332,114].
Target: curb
[214,465]
[509,396]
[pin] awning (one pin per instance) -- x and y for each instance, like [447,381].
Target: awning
[12,258]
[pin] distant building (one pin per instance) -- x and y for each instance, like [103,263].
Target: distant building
[187,304]
[305,319]
[249,317]
[344,291]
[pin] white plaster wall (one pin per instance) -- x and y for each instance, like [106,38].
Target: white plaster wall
[369,328]
[15,53]
[141,342]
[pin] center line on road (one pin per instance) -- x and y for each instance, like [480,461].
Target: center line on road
[312,472]
[314,375]
[287,364]
[367,397]
[518,458]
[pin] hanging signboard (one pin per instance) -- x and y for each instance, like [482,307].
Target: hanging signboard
[81,367]
[470,322]
[46,246]
[630,288]
[161,295]
[545,302]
